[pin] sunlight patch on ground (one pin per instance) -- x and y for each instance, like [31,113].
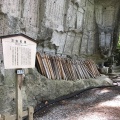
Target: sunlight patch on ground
[104,91]
[113,103]
[117,97]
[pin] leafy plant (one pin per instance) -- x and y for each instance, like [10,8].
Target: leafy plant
[118,44]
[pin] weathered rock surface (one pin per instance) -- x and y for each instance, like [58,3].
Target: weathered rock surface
[73,27]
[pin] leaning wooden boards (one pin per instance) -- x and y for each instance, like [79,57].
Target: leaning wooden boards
[54,67]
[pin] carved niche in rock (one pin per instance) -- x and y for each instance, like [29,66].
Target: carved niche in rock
[105,16]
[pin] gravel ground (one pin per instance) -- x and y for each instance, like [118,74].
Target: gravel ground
[95,104]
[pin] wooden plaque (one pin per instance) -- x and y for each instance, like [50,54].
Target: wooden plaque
[18,52]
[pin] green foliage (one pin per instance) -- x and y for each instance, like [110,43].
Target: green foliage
[118,44]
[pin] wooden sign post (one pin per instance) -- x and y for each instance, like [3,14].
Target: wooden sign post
[19,94]
[19,51]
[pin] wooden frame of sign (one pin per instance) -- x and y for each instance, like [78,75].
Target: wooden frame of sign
[19,52]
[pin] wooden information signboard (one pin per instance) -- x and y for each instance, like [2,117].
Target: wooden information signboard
[19,52]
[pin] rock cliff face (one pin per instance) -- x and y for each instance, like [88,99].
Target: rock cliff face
[107,20]
[72,27]
[68,27]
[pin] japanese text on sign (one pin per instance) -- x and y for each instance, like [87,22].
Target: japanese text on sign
[19,52]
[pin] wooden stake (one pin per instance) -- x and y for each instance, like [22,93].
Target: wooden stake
[5,117]
[30,113]
[19,96]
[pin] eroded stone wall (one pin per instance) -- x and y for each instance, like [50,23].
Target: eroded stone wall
[72,27]
[63,26]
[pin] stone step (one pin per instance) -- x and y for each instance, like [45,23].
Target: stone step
[116,80]
[116,71]
[116,67]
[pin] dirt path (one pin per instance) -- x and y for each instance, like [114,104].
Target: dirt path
[95,104]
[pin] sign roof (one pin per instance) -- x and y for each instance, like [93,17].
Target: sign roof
[21,34]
